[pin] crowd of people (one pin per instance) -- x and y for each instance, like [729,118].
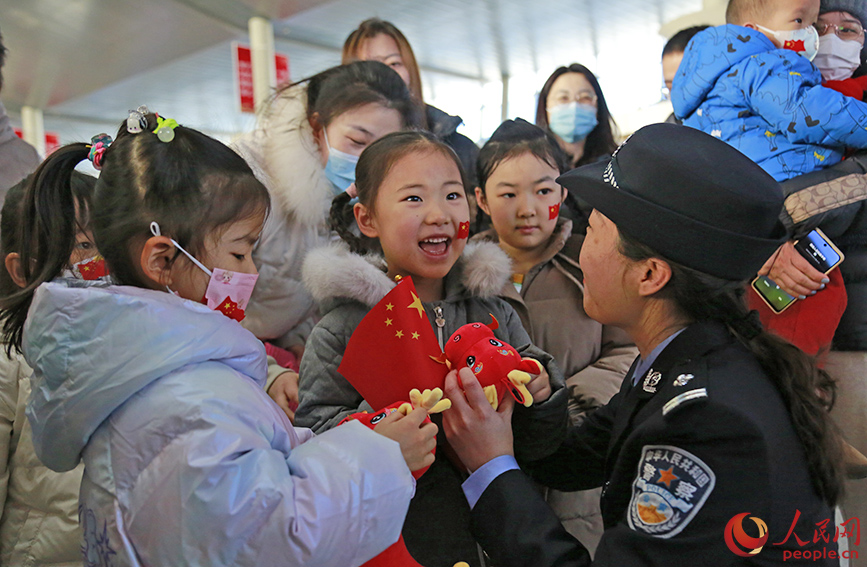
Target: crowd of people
[175,386]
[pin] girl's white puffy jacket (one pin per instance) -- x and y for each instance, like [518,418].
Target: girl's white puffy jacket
[187,460]
[39,525]
[283,154]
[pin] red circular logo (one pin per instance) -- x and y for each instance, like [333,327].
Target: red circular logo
[737,539]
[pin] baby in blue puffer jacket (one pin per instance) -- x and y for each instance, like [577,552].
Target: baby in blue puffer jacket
[751,84]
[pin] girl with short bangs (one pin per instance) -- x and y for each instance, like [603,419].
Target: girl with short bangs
[413,219]
[304,151]
[518,169]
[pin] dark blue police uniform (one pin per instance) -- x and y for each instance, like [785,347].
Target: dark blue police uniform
[702,436]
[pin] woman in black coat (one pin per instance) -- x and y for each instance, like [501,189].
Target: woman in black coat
[718,450]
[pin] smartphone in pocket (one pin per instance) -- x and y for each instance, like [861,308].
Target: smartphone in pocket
[822,255]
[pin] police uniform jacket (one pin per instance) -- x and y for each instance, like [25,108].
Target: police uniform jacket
[703,436]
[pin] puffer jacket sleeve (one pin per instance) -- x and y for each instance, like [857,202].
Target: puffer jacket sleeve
[10,372]
[594,385]
[796,104]
[335,500]
[325,396]
[539,429]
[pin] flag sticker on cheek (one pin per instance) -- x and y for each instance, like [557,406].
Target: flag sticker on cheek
[463,230]
[553,211]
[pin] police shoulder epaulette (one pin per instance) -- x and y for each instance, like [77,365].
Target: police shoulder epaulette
[684,398]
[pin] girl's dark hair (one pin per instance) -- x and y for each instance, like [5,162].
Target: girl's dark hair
[39,223]
[373,166]
[600,141]
[807,391]
[514,138]
[192,187]
[345,87]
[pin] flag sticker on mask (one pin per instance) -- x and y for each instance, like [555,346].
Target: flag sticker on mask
[91,269]
[670,488]
[229,292]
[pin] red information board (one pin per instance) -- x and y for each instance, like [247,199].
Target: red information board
[52,140]
[243,61]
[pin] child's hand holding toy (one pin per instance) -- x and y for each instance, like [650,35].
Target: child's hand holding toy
[408,424]
[415,433]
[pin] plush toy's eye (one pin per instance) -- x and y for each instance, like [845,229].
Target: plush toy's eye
[377,418]
[495,342]
[470,360]
[456,338]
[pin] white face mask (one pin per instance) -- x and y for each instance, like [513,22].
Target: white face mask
[804,41]
[837,59]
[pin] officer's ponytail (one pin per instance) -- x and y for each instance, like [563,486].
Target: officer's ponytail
[807,390]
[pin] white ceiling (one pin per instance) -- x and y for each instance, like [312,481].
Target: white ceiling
[90,61]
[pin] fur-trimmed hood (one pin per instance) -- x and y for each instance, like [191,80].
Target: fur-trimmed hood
[333,272]
[285,158]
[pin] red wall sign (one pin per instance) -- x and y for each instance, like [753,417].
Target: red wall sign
[52,140]
[243,61]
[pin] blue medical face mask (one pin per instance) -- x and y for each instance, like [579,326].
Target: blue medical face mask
[340,168]
[572,121]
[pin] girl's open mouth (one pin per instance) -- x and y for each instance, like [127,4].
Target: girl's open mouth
[435,246]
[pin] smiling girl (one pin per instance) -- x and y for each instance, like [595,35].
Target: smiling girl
[412,204]
[304,152]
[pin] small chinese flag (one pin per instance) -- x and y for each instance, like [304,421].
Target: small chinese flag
[93,269]
[392,350]
[231,310]
[463,230]
[553,211]
[796,46]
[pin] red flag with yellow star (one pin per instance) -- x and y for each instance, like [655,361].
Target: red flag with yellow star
[463,230]
[230,309]
[92,269]
[553,211]
[392,350]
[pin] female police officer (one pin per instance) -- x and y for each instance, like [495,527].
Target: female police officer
[719,442]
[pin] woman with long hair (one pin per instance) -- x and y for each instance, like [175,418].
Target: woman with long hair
[379,40]
[304,151]
[571,106]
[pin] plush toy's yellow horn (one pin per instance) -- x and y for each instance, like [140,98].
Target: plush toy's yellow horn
[518,379]
[431,400]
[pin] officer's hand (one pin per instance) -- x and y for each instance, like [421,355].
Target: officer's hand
[476,431]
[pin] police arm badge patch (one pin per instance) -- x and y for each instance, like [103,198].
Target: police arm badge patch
[670,488]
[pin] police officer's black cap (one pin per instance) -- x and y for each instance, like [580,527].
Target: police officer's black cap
[690,197]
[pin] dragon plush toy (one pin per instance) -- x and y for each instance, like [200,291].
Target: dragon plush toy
[432,400]
[497,365]
[395,336]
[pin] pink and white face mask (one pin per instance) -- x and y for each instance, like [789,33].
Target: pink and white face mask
[227,292]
